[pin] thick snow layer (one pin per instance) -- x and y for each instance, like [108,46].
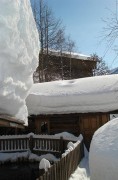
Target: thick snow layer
[18,56]
[104,152]
[92,94]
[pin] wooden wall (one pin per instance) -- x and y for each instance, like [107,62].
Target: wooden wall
[89,123]
[64,123]
[85,124]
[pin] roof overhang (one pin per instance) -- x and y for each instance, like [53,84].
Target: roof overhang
[12,122]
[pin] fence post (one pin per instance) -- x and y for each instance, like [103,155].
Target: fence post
[31,143]
[82,149]
[61,145]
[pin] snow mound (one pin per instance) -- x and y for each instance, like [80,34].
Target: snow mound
[44,164]
[18,56]
[13,157]
[67,136]
[103,159]
[74,96]
[49,157]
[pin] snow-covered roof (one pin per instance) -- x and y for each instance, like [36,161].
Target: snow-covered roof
[92,94]
[72,54]
[10,121]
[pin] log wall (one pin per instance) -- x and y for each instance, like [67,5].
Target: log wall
[85,124]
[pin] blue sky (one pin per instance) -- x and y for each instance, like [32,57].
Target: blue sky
[83,22]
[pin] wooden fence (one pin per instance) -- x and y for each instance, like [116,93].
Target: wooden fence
[14,144]
[36,144]
[62,169]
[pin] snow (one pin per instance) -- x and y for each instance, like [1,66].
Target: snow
[65,135]
[67,53]
[103,159]
[14,157]
[44,164]
[69,136]
[71,146]
[49,157]
[18,56]
[92,94]
[82,172]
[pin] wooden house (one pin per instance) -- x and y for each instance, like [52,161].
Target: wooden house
[79,123]
[56,65]
[77,106]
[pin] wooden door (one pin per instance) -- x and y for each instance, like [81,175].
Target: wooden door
[89,123]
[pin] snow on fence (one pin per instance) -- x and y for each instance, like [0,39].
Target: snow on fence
[62,169]
[36,144]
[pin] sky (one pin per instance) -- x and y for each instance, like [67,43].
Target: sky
[83,20]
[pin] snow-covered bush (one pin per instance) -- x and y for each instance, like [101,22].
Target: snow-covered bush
[18,56]
[103,158]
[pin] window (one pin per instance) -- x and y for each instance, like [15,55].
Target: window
[44,127]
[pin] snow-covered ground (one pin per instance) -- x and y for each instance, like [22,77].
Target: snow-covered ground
[92,94]
[104,152]
[18,56]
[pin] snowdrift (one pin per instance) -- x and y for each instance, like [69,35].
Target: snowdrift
[103,158]
[18,56]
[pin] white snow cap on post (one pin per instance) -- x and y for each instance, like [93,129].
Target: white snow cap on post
[70,145]
[44,164]
[19,49]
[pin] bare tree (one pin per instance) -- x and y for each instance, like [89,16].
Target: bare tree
[49,28]
[51,36]
[60,46]
[70,48]
[110,31]
[102,68]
